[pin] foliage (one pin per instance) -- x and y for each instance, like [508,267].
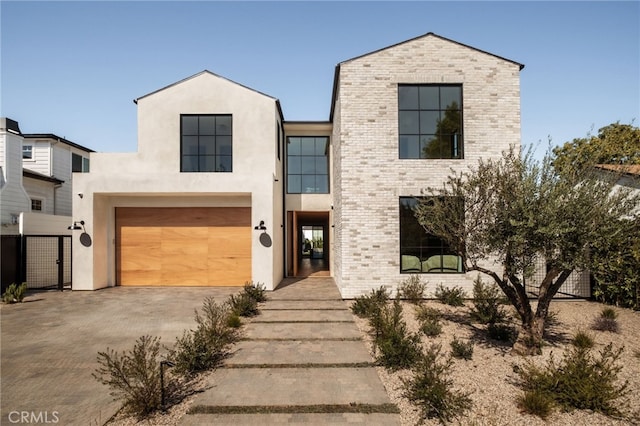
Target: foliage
[368,305]
[536,402]
[412,289]
[460,349]
[517,210]
[397,348]
[615,144]
[429,320]
[580,380]
[234,321]
[255,291]
[487,303]
[243,304]
[582,340]
[14,293]
[450,296]
[607,321]
[429,387]
[206,346]
[134,376]
[615,264]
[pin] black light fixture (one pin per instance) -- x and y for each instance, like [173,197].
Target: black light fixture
[260,227]
[77,226]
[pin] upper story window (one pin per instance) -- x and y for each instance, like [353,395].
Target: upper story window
[36,205]
[430,121]
[421,252]
[308,165]
[206,143]
[79,164]
[27,152]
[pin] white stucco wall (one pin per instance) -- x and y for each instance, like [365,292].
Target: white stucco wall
[152,177]
[369,177]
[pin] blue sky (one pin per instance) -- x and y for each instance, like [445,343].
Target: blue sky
[74,68]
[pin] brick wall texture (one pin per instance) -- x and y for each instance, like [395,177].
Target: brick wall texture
[369,177]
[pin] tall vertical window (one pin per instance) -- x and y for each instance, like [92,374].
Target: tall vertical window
[79,164]
[308,165]
[419,251]
[430,121]
[206,143]
[27,152]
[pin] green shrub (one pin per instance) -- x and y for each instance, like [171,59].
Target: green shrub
[450,296]
[134,376]
[501,332]
[14,293]
[607,321]
[582,340]
[397,348]
[429,320]
[256,291]
[536,402]
[243,304]
[580,380]
[233,321]
[205,347]
[369,305]
[429,388]
[487,303]
[412,289]
[460,349]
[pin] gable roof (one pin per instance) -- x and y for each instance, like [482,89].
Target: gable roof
[628,169]
[207,72]
[429,34]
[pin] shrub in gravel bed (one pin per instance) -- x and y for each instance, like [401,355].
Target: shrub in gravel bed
[412,289]
[429,388]
[450,296]
[535,402]
[460,349]
[607,321]
[370,304]
[580,380]
[582,340]
[134,377]
[487,303]
[429,320]
[396,347]
[206,346]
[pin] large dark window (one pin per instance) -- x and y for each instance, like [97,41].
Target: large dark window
[430,121]
[79,164]
[419,251]
[308,165]
[206,143]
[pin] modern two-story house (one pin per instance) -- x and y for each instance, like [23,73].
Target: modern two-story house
[223,190]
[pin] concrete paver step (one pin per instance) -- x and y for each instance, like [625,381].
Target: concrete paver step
[304,315]
[319,330]
[298,352]
[303,304]
[292,386]
[292,418]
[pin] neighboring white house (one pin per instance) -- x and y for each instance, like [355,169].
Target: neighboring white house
[222,190]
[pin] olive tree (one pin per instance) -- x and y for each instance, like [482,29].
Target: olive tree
[515,210]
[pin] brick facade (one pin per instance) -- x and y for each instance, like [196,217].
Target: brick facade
[369,177]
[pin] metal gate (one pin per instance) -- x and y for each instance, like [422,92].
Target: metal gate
[577,285]
[46,261]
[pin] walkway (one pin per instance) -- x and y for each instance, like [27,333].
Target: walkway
[302,361]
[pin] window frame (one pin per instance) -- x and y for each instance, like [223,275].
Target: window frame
[215,136]
[423,249]
[37,201]
[438,136]
[30,150]
[315,156]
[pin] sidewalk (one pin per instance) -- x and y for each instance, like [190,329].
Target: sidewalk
[302,361]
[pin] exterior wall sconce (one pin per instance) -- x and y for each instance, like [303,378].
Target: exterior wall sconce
[260,227]
[77,226]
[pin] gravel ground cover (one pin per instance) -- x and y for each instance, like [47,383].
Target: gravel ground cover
[489,377]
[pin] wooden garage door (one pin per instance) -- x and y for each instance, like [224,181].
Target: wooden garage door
[183,246]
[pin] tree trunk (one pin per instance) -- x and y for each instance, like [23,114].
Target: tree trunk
[529,341]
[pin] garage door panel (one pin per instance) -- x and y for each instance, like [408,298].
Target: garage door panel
[184,246]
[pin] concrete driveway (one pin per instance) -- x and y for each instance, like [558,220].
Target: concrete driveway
[50,343]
